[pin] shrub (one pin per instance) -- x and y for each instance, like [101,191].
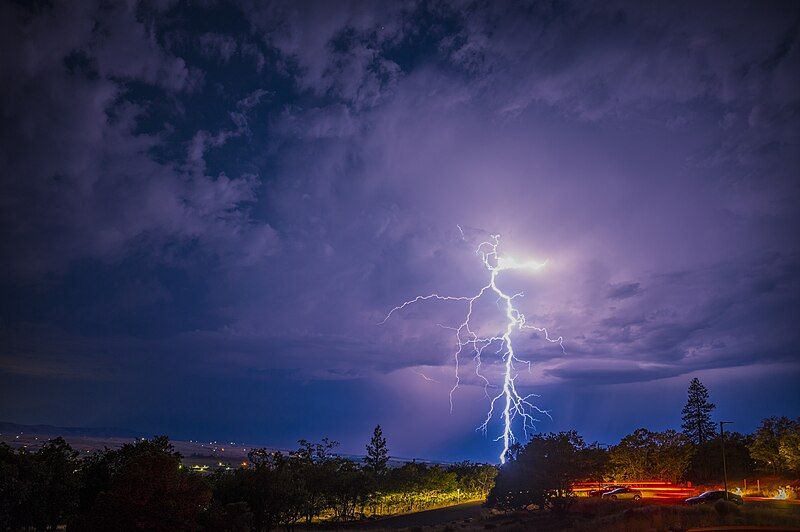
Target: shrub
[725,508]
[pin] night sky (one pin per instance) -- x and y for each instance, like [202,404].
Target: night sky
[206,209]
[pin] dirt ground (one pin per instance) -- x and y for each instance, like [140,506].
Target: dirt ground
[460,513]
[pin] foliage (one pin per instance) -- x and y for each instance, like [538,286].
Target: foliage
[273,488]
[542,473]
[706,461]
[141,486]
[313,483]
[475,480]
[38,490]
[233,517]
[596,458]
[377,453]
[317,470]
[697,424]
[644,454]
[412,483]
[349,489]
[789,449]
[775,444]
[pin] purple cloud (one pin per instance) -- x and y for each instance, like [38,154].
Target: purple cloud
[285,181]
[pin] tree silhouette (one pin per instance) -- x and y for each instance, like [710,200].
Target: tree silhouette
[645,454]
[705,463]
[37,490]
[141,486]
[144,486]
[55,482]
[542,473]
[697,424]
[377,453]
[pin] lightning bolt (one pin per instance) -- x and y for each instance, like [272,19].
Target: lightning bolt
[425,377]
[514,404]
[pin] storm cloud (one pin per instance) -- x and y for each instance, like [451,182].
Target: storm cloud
[238,194]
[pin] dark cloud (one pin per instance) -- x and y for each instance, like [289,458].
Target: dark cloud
[233,193]
[623,290]
[80,180]
[218,45]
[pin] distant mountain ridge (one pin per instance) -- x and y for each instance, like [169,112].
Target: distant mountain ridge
[6,427]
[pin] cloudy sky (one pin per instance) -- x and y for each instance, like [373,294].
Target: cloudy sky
[206,210]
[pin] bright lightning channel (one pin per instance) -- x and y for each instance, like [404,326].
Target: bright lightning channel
[514,404]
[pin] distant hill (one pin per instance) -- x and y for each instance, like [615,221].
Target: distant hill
[92,438]
[7,427]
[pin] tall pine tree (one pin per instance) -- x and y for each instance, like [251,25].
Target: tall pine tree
[377,453]
[697,424]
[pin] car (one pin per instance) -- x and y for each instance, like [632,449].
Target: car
[710,497]
[605,489]
[623,493]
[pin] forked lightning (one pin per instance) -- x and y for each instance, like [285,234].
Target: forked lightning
[514,404]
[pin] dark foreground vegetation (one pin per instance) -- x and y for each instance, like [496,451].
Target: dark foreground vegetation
[143,486]
[541,473]
[595,515]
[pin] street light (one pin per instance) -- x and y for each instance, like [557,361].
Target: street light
[724,466]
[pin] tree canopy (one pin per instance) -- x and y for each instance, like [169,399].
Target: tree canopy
[650,455]
[542,472]
[776,445]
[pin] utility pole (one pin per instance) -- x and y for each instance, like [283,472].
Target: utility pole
[724,465]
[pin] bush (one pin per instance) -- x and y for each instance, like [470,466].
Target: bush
[725,508]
